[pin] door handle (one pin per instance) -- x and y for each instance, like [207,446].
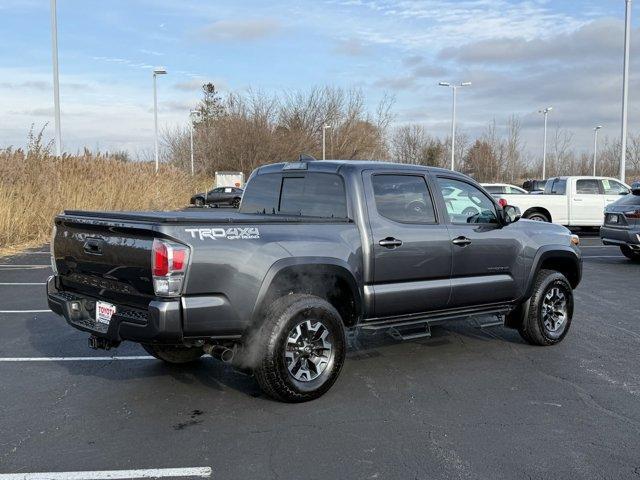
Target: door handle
[390,242]
[577,199]
[461,241]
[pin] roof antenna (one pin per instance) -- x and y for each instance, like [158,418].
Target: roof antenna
[306,158]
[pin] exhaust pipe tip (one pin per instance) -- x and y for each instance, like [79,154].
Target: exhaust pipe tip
[220,352]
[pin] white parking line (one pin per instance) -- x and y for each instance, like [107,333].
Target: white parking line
[24,311]
[23,284]
[200,472]
[74,359]
[17,267]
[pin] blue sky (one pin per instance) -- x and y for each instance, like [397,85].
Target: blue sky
[520,56]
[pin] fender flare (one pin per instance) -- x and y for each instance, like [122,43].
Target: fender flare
[320,265]
[547,252]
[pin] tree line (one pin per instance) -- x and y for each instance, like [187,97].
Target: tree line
[241,131]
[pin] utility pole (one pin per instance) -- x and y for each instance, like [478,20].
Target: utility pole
[625,91]
[544,146]
[325,127]
[156,72]
[595,147]
[454,87]
[56,82]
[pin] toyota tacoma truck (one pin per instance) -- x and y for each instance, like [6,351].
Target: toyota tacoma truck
[317,249]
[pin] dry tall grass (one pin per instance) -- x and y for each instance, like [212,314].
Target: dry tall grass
[34,187]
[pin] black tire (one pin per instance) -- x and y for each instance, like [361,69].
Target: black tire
[282,318]
[174,354]
[537,217]
[235,203]
[534,327]
[199,202]
[630,254]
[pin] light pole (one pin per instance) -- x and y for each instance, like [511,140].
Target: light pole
[325,127]
[192,114]
[454,87]
[156,72]
[545,112]
[595,147]
[56,84]
[625,91]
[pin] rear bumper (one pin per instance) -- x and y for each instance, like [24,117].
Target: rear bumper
[620,236]
[178,321]
[160,323]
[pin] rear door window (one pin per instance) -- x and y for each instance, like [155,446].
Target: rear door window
[403,198]
[588,186]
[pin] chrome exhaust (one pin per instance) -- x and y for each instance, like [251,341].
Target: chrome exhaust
[220,352]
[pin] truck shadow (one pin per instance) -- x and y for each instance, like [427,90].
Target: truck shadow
[214,375]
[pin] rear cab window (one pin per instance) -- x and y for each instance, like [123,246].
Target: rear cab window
[310,194]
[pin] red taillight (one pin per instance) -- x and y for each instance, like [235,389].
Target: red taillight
[503,203]
[160,257]
[178,260]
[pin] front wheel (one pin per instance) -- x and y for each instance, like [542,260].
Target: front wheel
[302,348]
[199,202]
[235,203]
[175,354]
[537,217]
[630,254]
[546,317]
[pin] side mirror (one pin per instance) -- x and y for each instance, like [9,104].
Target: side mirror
[510,214]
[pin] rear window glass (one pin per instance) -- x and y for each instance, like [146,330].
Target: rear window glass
[311,194]
[494,189]
[557,186]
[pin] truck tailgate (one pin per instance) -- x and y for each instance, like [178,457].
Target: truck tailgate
[105,259]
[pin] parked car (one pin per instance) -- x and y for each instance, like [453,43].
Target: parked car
[503,189]
[571,201]
[622,224]
[316,248]
[218,196]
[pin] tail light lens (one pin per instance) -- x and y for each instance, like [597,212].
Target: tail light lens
[54,267]
[635,214]
[169,262]
[503,202]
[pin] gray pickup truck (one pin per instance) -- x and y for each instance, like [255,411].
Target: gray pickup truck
[317,248]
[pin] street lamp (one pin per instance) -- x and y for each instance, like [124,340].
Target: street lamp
[454,87]
[156,72]
[545,112]
[625,90]
[595,147]
[56,82]
[192,114]
[325,127]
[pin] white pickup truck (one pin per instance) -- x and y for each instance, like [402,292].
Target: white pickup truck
[570,201]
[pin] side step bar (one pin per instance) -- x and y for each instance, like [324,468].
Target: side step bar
[419,326]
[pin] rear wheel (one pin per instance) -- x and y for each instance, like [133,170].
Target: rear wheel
[546,317]
[176,354]
[302,348]
[630,254]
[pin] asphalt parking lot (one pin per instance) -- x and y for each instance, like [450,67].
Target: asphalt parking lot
[468,403]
